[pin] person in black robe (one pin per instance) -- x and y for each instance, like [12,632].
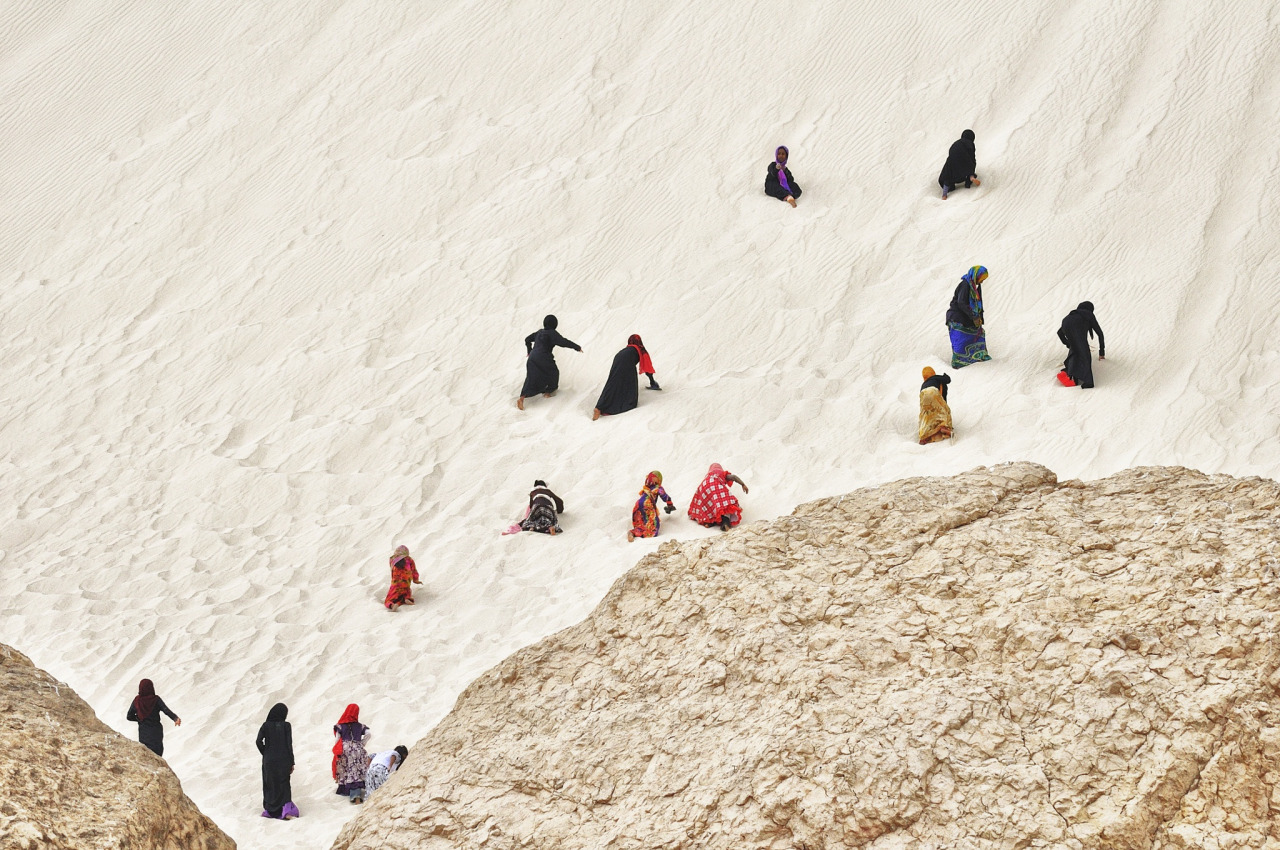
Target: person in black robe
[145,711]
[779,183]
[961,165]
[622,388]
[1076,328]
[542,375]
[545,508]
[275,742]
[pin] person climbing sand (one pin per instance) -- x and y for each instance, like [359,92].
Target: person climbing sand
[644,516]
[965,319]
[381,766]
[275,743]
[542,375]
[545,508]
[646,363]
[403,571]
[145,710]
[349,758]
[1075,330]
[620,392]
[779,183]
[935,413]
[961,165]
[712,503]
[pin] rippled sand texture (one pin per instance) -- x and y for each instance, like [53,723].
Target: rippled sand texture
[265,270]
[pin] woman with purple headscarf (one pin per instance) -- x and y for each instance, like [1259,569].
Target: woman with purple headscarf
[779,183]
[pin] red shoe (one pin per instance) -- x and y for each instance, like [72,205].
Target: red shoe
[1065,379]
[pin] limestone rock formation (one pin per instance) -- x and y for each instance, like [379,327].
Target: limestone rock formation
[994,660]
[72,783]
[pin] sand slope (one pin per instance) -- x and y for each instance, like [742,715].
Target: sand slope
[265,271]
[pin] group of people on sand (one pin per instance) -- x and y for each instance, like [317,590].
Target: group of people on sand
[969,346]
[620,393]
[356,772]
[712,505]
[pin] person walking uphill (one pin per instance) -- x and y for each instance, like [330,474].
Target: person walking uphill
[712,503]
[275,742]
[961,165]
[620,394]
[145,711]
[779,183]
[935,413]
[403,571]
[1076,328]
[349,758]
[964,320]
[542,375]
[644,516]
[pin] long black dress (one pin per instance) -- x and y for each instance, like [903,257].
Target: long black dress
[150,732]
[962,161]
[275,742]
[622,388]
[1074,332]
[542,375]
[773,186]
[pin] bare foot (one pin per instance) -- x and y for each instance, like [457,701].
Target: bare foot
[520,403]
[552,531]
[595,414]
[548,395]
[791,201]
[631,535]
[977,182]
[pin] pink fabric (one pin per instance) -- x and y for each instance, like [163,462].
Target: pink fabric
[712,500]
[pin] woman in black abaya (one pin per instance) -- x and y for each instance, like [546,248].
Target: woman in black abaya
[621,389]
[275,742]
[542,375]
[1074,332]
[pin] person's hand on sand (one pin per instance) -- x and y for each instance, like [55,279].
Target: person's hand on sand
[416,581]
[178,722]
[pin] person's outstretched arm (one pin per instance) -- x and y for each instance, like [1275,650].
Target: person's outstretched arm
[1102,342]
[177,721]
[565,343]
[731,478]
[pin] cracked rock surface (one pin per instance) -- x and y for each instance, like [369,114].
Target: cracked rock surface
[993,660]
[70,782]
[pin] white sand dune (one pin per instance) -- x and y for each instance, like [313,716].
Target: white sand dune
[265,271]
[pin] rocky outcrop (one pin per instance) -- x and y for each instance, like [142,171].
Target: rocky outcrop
[991,660]
[72,783]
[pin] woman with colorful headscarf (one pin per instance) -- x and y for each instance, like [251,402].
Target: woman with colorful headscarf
[964,320]
[644,516]
[403,571]
[275,742]
[935,413]
[712,503]
[349,758]
[779,183]
[145,710]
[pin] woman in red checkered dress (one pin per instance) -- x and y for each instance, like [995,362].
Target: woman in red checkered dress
[713,504]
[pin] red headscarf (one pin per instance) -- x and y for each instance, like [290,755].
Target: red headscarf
[351,715]
[145,702]
[646,365]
